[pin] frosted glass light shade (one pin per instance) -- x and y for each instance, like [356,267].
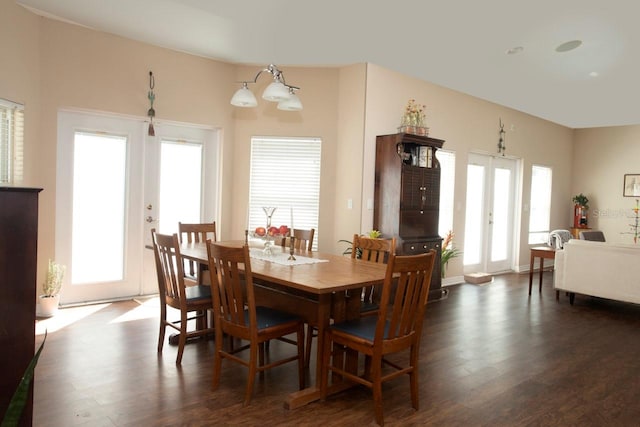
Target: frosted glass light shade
[275,92]
[244,98]
[293,103]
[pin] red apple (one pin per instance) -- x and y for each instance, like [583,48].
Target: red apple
[283,229]
[273,231]
[261,231]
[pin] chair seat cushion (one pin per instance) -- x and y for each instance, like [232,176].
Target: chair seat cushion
[364,327]
[268,317]
[198,293]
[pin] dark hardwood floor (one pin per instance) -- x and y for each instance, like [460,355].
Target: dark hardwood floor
[491,356]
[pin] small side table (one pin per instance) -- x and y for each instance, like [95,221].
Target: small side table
[542,252]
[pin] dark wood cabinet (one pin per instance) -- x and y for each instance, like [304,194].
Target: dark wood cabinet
[18,263]
[407,196]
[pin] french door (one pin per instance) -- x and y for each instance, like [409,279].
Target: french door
[181,185]
[490,206]
[109,190]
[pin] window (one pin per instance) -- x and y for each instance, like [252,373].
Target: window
[11,141]
[285,173]
[540,204]
[447,161]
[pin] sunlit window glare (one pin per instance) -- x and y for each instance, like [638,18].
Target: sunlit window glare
[99,203]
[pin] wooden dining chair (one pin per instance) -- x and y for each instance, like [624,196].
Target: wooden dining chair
[196,233]
[303,239]
[237,315]
[368,249]
[396,328]
[372,250]
[192,301]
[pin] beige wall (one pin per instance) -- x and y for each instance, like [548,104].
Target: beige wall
[602,156]
[20,74]
[349,160]
[319,95]
[63,66]
[20,82]
[66,66]
[468,124]
[58,65]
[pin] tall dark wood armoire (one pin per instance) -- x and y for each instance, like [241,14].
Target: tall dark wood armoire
[18,263]
[407,196]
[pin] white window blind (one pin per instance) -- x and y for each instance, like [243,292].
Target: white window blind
[285,174]
[540,211]
[11,141]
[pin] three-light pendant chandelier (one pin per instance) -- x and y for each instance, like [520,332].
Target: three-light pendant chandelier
[277,91]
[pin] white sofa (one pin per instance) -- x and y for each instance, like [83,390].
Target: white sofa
[606,270]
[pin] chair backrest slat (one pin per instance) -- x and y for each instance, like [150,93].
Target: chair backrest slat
[372,250]
[196,233]
[168,266]
[231,283]
[303,239]
[403,316]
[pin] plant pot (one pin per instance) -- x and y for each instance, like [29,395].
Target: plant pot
[580,218]
[48,305]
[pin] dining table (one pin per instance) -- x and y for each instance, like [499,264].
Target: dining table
[314,286]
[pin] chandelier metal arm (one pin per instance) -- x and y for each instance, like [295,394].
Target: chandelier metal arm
[275,72]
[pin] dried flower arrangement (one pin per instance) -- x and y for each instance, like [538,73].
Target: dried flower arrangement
[414,119]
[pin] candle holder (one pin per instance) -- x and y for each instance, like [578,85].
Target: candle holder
[291,248]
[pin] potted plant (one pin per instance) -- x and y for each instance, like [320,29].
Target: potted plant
[580,210]
[581,200]
[448,252]
[50,298]
[19,400]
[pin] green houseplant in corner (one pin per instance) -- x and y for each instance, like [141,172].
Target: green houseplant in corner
[51,290]
[580,210]
[581,200]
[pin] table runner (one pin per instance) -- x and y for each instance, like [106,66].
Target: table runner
[282,258]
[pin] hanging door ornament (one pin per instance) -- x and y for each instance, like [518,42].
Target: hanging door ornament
[152,96]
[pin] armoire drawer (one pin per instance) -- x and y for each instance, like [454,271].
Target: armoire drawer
[411,248]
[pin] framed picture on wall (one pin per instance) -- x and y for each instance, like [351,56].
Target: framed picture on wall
[631,185]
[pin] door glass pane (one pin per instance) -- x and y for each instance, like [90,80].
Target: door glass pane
[474,218]
[180,184]
[500,231]
[99,190]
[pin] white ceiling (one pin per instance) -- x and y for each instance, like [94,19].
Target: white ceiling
[459,44]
